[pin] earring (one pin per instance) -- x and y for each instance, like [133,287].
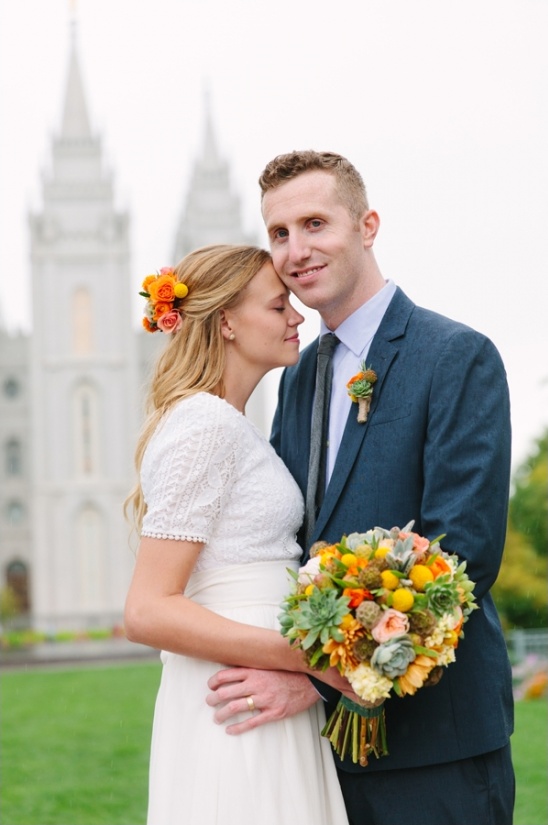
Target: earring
[231,337]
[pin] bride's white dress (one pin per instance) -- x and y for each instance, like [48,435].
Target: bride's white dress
[209,475]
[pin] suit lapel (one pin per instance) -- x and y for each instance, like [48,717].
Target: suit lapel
[384,348]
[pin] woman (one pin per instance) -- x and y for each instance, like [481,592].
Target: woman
[218,514]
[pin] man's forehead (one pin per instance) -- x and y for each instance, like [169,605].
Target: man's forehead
[309,193]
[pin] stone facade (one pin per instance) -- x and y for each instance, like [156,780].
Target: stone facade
[71,391]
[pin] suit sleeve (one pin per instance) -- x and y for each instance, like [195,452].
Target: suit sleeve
[467,455]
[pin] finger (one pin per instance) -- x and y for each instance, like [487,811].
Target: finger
[222,677]
[243,727]
[235,708]
[252,722]
[213,699]
[224,695]
[229,692]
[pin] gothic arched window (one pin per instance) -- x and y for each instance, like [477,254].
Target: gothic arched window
[11,388]
[15,512]
[13,455]
[82,322]
[17,579]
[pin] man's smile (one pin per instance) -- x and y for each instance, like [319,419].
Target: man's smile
[305,273]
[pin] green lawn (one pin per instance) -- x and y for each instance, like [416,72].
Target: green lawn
[530,756]
[75,747]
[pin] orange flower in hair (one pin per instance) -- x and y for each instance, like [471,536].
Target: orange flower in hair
[162,289]
[160,308]
[165,294]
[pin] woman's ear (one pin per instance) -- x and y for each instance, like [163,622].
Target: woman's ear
[226,327]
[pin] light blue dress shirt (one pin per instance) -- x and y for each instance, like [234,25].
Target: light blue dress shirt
[355,335]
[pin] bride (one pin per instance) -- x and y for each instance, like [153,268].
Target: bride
[218,513]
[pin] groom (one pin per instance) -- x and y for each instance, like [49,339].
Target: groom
[435,448]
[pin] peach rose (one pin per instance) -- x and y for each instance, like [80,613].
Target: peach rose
[170,321]
[420,544]
[391,623]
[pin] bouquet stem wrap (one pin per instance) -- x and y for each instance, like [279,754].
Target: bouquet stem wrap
[356,730]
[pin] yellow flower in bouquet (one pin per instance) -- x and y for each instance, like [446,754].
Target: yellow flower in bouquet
[386,608]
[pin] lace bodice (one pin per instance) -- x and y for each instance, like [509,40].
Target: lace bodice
[209,475]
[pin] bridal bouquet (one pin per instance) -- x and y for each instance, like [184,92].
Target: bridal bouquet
[386,608]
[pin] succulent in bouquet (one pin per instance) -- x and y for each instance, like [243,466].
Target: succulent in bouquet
[387,609]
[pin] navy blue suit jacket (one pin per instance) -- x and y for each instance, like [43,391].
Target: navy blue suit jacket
[436,449]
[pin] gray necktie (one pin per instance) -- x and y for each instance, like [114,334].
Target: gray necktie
[319,434]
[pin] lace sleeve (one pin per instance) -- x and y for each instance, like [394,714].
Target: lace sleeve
[188,469]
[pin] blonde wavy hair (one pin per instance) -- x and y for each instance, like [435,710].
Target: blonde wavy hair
[194,358]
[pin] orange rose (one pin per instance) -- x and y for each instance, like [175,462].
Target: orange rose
[147,282]
[161,309]
[162,289]
[439,566]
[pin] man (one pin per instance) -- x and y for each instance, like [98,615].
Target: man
[435,448]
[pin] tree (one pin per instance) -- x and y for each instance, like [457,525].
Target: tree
[529,503]
[520,590]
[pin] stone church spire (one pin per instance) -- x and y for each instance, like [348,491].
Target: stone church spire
[84,382]
[210,153]
[212,211]
[75,124]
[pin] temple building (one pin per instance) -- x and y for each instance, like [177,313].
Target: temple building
[71,391]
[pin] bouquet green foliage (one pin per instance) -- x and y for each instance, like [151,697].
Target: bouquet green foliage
[387,609]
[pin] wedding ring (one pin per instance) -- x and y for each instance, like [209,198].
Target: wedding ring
[250,703]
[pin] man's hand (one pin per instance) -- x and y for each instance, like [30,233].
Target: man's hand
[276,695]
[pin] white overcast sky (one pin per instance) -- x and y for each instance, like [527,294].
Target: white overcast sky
[442,106]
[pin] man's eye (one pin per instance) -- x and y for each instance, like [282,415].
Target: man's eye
[315,223]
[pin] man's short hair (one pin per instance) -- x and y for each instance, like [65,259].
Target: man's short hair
[349,182]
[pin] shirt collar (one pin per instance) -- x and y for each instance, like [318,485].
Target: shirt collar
[358,329]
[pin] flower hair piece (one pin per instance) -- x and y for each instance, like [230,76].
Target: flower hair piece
[164,294]
[360,390]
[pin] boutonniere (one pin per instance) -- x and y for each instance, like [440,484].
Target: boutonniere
[360,390]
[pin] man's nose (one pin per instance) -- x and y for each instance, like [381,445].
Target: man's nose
[299,248]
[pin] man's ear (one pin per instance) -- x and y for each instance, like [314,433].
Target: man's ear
[369,226]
